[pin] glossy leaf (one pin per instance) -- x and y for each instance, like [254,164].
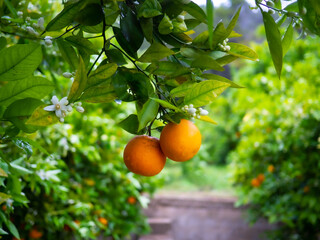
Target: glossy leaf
[226,59]
[130,124]
[195,11]
[233,22]
[155,52]
[165,26]
[100,94]
[205,92]
[242,51]
[206,62]
[149,9]
[101,73]
[22,108]
[166,104]
[68,53]
[207,119]
[116,56]
[147,28]
[125,45]
[33,144]
[287,39]
[82,44]
[65,17]
[25,146]
[169,69]
[131,30]
[90,15]
[182,90]
[31,87]
[12,228]
[210,18]
[79,83]
[148,113]
[220,33]
[274,41]
[19,61]
[41,117]
[220,79]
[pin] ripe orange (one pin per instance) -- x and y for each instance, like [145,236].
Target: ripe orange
[143,156]
[132,200]
[103,221]
[255,182]
[35,234]
[270,168]
[261,178]
[180,142]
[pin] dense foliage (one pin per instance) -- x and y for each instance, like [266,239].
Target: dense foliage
[276,163]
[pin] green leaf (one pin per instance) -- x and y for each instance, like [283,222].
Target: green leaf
[79,83]
[166,104]
[274,41]
[205,92]
[165,26]
[131,30]
[22,108]
[33,144]
[182,90]
[4,197]
[102,73]
[130,124]
[287,39]
[179,26]
[3,43]
[220,79]
[209,8]
[206,62]
[195,11]
[12,228]
[155,52]
[149,9]
[82,44]
[19,61]
[16,169]
[233,22]
[202,39]
[68,53]
[31,87]
[3,174]
[114,55]
[41,117]
[65,17]
[292,7]
[234,34]
[242,51]
[226,59]
[25,146]
[125,45]
[192,23]
[147,28]
[100,94]
[207,119]
[169,69]
[90,15]
[220,33]
[148,113]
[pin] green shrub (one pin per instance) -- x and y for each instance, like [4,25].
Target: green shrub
[280,129]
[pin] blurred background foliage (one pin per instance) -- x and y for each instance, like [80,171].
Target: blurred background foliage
[268,131]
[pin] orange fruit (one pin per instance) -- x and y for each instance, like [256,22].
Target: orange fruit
[180,142]
[261,178]
[143,156]
[255,182]
[35,234]
[103,221]
[270,168]
[132,200]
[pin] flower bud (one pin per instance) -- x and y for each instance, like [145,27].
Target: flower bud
[67,75]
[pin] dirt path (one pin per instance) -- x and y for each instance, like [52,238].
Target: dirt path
[198,216]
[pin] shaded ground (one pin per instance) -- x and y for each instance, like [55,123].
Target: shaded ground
[200,216]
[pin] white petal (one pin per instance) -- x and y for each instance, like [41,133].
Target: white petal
[61,119]
[50,108]
[80,109]
[64,101]
[54,100]
[59,113]
[69,108]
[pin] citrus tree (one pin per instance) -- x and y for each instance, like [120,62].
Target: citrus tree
[105,52]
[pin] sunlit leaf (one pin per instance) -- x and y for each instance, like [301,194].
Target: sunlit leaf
[207,119]
[287,39]
[150,8]
[68,53]
[165,26]
[205,92]
[100,94]
[19,61]
[155,52]
[166,104]
[182,90]
[79,83]
[242,51]
[220,79]
[42,118]
[102,73]
[148,113]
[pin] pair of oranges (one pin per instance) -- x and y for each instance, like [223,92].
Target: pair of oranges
[147,155]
